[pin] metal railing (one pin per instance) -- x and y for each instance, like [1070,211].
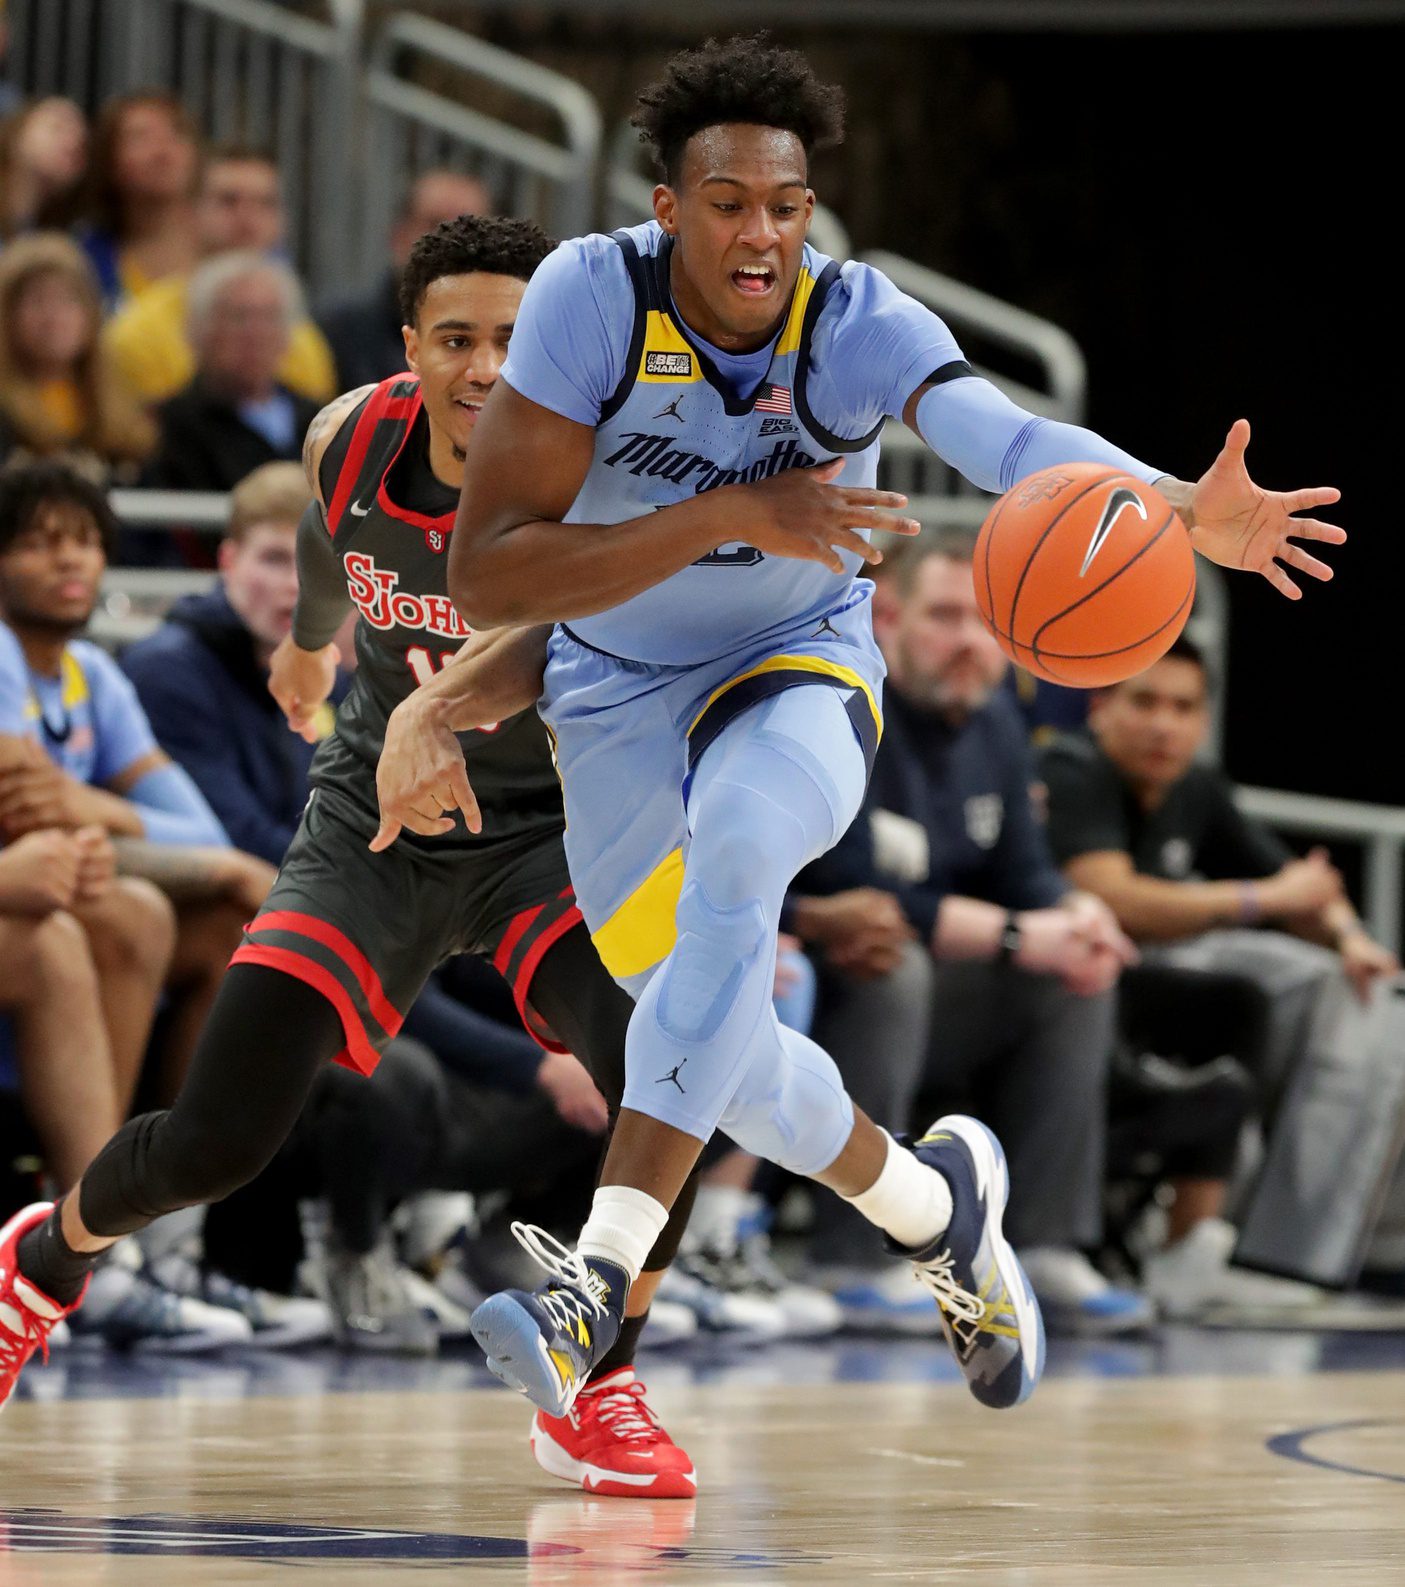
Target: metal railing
[1380,829]
[530,134]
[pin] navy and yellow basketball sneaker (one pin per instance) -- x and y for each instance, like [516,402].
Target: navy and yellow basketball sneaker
[545,1342]
[988,1310]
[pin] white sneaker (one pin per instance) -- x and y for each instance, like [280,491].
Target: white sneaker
[745,1319]
[427,1224]
[668,1324]
[279,1322]
[1076,1299]
[1193,1281]
[809,1311]
[125,1308]
[880,1300]
[449,1318]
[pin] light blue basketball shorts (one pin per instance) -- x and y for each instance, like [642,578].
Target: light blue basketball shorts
[627,735]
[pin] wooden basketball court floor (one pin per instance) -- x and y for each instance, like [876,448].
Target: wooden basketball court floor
[1196,1458]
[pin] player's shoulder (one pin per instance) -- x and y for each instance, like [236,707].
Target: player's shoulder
[594,264]
[338,418]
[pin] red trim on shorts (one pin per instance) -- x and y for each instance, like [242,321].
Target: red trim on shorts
[517,928]
[522,984]
[359,1053]
[389,1017]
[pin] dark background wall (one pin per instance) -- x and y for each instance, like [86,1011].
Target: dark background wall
[1209,214]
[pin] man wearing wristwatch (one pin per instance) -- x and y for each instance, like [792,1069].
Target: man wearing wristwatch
[1014,970]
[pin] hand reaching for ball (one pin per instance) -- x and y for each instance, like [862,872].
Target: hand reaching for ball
[1241,525]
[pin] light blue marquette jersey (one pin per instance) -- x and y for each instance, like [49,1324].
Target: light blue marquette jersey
[597,340]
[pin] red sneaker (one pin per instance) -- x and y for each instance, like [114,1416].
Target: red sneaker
[610,1442]
[26,1313]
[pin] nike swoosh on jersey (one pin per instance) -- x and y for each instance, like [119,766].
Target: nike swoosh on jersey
[358,511]
[1112,510]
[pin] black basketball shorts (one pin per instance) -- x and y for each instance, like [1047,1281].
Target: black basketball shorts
[367,930]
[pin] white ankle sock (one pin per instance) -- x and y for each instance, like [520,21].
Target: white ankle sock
[909,1201]
[622,1227]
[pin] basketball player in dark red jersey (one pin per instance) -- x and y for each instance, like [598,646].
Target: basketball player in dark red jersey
[348,937]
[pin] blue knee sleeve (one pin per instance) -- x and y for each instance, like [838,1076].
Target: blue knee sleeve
[790,1106]
[775,790]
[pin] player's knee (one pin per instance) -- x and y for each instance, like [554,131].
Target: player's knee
[133,929]
[57,956]
[790,1109]
[192,1167]
[717,952]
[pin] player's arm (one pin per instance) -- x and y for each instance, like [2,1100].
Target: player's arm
[513,561]
[971,424]
[303,669]
[421,772]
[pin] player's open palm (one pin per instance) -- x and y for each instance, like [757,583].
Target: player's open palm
[802,513]
[1241,525]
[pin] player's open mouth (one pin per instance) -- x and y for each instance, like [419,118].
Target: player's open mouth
[754,280]
[471,408]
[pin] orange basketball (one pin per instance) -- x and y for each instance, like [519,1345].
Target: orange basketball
[1084,575]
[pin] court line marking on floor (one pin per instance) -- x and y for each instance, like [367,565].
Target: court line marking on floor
[1290,1446]
[918,1460]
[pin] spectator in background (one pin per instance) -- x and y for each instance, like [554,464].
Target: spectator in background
[59,397]
[139,214]
[1135,819]
[1021,1004]
[238,207]
[202,677]
[49,987]
[102,766]
[235,414]
[43,158]
[365,332]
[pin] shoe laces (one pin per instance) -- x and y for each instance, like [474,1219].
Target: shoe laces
[582,1294]
[939,1276]
[622,1411]
[17,1345]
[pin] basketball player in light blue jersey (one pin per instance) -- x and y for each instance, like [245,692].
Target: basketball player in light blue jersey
[677,470]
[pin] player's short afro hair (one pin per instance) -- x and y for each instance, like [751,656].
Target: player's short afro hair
[494,244]
[742,79]
[27,488]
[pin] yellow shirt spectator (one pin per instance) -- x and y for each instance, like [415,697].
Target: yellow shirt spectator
[148,344]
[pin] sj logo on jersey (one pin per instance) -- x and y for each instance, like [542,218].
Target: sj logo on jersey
[384,606]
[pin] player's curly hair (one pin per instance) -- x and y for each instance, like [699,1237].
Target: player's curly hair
[495,244]
[746,78]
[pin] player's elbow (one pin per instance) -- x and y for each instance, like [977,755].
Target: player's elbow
[482,595]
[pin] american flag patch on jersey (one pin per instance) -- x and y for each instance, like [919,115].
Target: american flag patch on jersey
[775,399]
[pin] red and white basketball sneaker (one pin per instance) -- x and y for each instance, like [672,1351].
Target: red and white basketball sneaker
[610,1442]
[26,1314]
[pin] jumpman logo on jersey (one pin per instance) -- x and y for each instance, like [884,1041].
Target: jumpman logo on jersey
[826,627]
[673,1076]
[671,411]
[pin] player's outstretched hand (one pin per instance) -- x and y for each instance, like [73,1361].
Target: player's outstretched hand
[300,680]
[1240,525]
[801,513]
[421,775]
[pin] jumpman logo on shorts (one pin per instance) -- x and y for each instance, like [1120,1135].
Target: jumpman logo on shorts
[673,1076]
[826,627]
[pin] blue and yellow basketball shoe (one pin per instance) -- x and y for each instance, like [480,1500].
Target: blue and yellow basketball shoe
[545,1342]
[988,1310]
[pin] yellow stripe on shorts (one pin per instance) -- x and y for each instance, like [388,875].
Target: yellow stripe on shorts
[643,929]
